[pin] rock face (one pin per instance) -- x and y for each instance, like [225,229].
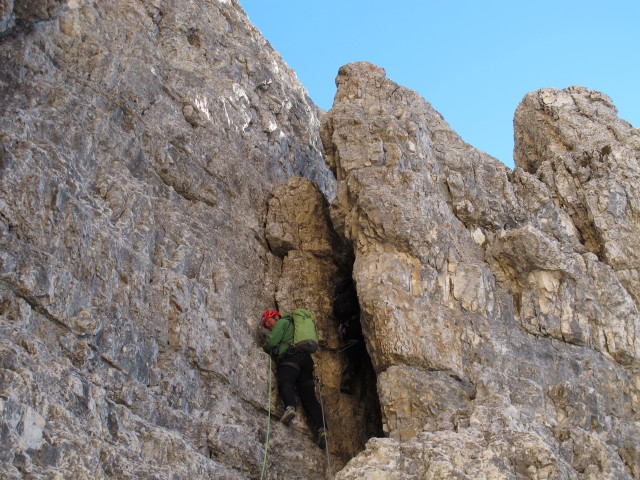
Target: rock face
[588,157]
[499,307]
[140,145]
[164,178]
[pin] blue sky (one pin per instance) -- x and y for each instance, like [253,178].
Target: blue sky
[472,60]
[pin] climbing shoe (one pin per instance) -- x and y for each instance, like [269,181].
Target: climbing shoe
[322,438]
[288,416]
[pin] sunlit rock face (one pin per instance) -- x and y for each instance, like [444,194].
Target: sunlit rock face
[506,343]
[140,144]
[575,143]
[164,178]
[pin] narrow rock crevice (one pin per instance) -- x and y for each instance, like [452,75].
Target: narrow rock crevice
[358,389]
[316,273]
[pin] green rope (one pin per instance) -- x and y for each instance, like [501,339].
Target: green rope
[324,425]
[266,445]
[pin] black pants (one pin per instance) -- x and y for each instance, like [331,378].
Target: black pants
[295,369]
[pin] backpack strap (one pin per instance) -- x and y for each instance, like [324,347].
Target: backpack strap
[276,348]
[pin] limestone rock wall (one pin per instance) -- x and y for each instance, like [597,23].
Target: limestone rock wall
[164,178]
[506,342]
[574,142]
[140,144]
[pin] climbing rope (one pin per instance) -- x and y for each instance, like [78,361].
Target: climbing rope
[324,425]
[347,345]
[266,444]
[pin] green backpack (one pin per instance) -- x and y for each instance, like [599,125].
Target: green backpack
[305,337]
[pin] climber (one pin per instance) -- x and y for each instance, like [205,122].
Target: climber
[295,369]
[347,311]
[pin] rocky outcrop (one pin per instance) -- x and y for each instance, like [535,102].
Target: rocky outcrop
[574,142]
[164,178]
[140,145]
[505,346]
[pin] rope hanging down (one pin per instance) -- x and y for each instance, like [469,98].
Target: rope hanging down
[324,425]
[348,344]
[266,444]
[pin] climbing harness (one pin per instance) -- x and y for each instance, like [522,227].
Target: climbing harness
[266,445]
[324,426]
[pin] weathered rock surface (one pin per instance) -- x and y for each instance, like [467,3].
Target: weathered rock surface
[29,11]
[162,182]
[574,141]
[140,144]
[505,340]
[314,263]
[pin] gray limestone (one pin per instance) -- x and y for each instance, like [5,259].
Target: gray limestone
[165,178]
[506,343]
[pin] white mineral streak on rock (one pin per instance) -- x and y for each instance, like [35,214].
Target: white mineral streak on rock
[31,427]
[478,236]
[201,103]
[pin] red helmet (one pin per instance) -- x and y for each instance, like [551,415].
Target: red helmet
[267,315]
